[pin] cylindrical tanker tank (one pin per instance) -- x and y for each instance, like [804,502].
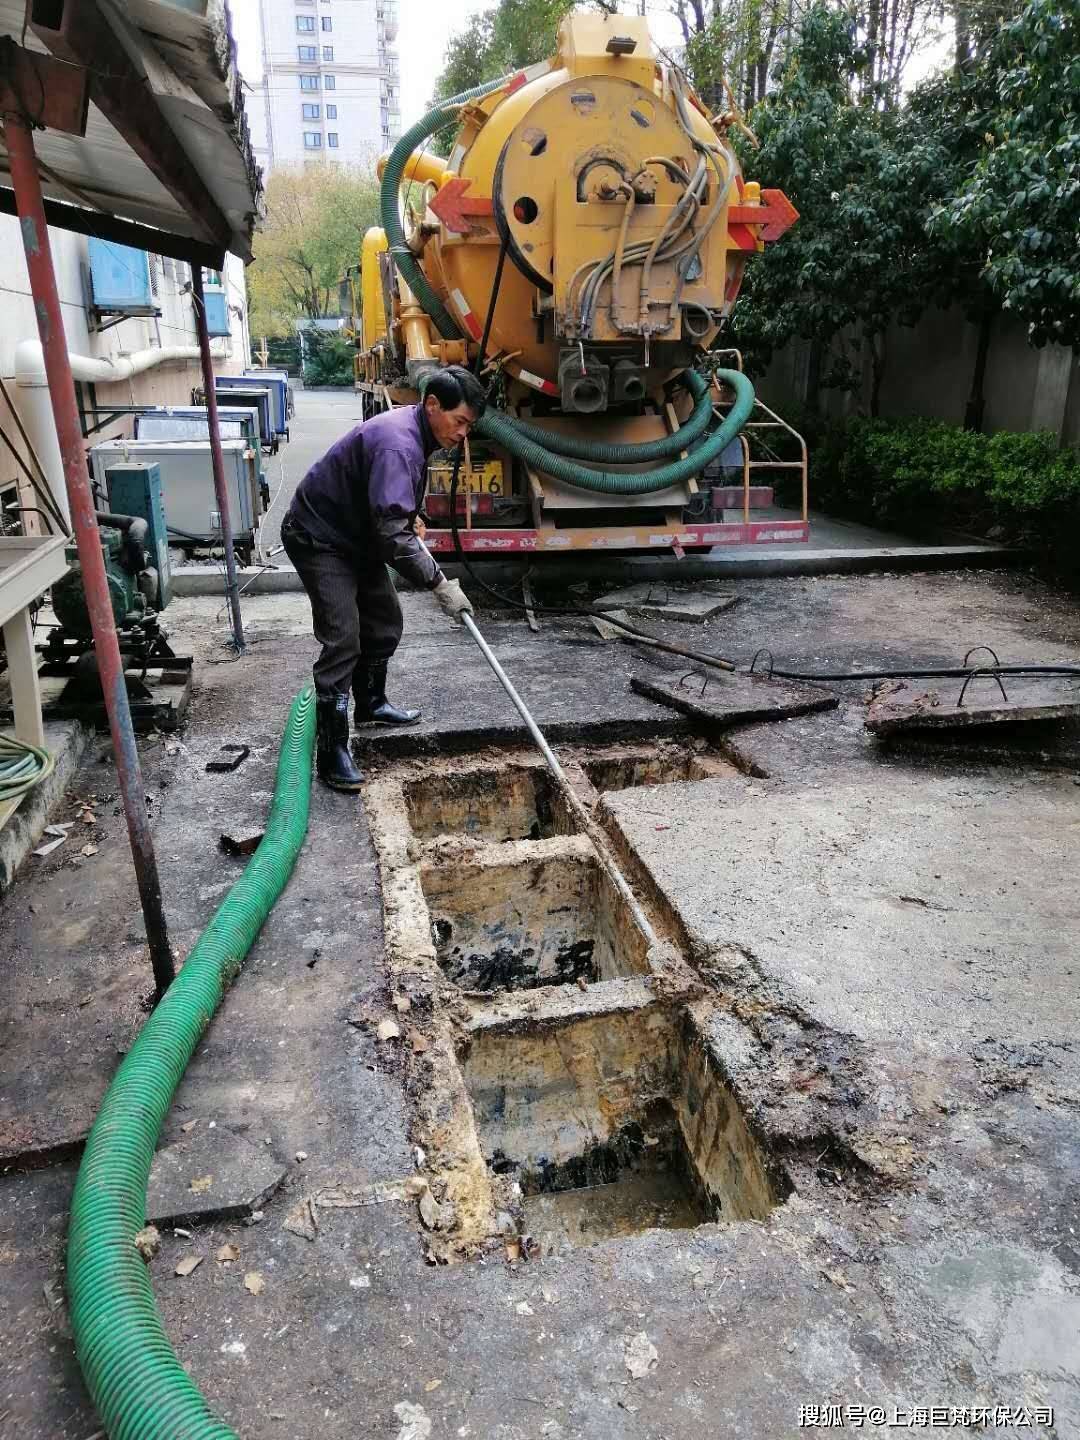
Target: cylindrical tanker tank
[622,222]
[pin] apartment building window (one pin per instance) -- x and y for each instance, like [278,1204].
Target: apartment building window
[331,112]
[327,23]
[310,82]
[328,52]
[305,24]
[311,112]
[331,139]
[310,53]
[312,140]
[330,82]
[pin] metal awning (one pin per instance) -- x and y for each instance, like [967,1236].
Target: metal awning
[166,143]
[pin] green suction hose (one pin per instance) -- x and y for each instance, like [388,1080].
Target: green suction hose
[138,1385]
[504,431]
[389,202]
[602,452]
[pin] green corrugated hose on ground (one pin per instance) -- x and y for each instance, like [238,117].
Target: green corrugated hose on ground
[505,431]
[138,1385]
[390,202]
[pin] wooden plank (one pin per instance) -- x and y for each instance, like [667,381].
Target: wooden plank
[29,564]
[733,699]
[85,37]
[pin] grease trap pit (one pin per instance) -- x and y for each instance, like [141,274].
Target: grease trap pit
[612,1124]
[519,800]
[552,917]
[514,802]
[563,1086]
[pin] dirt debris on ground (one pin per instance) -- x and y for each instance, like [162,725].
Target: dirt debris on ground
[863,1003]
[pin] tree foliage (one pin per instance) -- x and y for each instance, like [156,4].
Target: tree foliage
[859,177]
[1020,208]
[315,220]
[512,35]
[328,359]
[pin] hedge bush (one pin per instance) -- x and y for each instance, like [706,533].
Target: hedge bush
[328,359]
[928,474]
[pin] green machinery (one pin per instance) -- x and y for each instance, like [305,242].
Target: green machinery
[135,544]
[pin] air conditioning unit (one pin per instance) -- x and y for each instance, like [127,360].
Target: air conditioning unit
[120,281]
[217,311]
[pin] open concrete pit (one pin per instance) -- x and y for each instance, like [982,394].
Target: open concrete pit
[518,799]
[551,918]
[610,1124]
[565,1089]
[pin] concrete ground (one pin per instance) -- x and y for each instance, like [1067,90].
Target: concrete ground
[888,944]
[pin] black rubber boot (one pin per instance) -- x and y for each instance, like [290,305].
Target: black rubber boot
[333,763]
[369,691]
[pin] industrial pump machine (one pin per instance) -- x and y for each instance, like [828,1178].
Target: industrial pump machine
[589,232]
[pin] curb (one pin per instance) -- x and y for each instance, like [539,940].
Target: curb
[191,580]
[68,741]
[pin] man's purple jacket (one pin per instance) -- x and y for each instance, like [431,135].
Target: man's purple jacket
[363,496]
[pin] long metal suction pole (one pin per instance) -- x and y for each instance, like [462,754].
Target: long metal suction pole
[584,819]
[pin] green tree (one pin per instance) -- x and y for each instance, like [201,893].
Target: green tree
[512,35]
[315,220]
[856,260]
[328,359]
[1020,208]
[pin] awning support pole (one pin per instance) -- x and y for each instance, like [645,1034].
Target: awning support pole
[232,589]
[26,183]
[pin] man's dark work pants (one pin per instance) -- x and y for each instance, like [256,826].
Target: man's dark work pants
[354,607]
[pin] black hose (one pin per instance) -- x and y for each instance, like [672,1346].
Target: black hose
[496,285]
[946,672]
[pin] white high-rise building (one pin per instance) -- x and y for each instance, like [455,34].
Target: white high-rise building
[330,88]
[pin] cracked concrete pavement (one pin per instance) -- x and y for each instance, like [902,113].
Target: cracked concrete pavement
[892,942]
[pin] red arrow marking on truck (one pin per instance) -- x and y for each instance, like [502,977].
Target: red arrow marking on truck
[454,207]
[775,215]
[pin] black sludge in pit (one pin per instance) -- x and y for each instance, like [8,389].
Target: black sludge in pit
[641,1179]
[549,919]
[510,966]
[610,1124]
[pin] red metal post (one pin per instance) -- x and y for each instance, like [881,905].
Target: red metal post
[232,590]
[27,186]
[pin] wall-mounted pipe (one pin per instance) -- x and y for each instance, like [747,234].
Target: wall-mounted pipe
[36,409]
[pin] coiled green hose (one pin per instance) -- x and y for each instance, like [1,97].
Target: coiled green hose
[138,1385]
[605,452]
[22,766]
[389,202]
[504,431]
